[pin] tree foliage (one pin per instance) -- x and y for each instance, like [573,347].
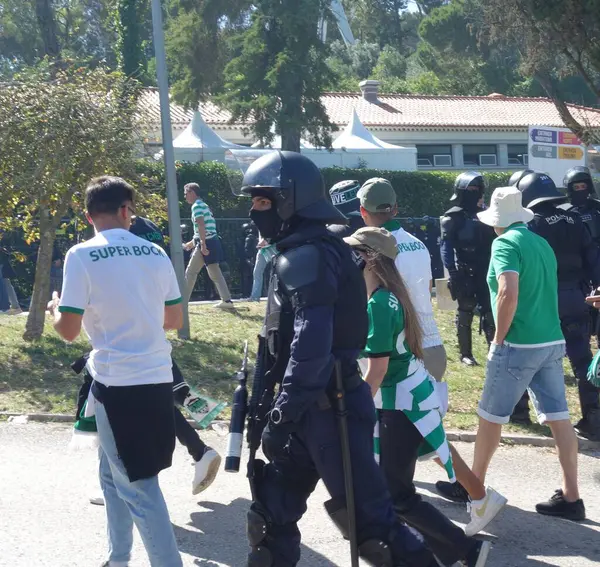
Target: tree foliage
[58,129]
[558,42]
[278,73]
[81,30]
[133,25]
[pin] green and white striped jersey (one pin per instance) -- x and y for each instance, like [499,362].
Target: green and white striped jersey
[200,209]
[407,386]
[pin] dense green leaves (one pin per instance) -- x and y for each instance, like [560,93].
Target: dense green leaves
[58,128]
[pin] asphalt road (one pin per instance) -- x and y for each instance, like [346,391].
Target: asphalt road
[45,518]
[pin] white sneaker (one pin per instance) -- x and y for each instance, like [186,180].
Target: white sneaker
[225,305]
[484,511]
[115,564]
[97,499]
[206,470]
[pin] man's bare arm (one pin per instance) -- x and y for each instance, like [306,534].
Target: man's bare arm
[506,304]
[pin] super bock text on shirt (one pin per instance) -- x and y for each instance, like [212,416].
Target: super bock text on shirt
[121,283]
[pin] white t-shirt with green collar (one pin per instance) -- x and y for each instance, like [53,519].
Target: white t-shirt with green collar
[121,283]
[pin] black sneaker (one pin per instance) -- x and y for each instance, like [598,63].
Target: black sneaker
[478,555]
[469,361]
[558,506]
[452,491]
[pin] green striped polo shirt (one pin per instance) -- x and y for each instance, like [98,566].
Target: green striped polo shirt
[200,209]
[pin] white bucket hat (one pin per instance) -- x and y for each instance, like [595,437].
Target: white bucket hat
[506,208]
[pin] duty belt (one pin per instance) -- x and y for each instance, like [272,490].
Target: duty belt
[350,383]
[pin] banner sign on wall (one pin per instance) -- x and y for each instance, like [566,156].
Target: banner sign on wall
[554,151]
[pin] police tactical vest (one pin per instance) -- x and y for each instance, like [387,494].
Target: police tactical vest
[472,239]
[560,229]
[590,215]
[350,318]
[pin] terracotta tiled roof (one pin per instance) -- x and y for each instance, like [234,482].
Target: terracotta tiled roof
[149,107]
[409,111]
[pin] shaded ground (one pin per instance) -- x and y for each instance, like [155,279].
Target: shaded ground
[45,520]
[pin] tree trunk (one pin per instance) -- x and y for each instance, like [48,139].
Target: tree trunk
[41,286]
[585,132]
[290,140]
[47,25]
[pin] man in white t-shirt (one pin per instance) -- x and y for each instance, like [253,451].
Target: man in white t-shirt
[123,291]
[378,208]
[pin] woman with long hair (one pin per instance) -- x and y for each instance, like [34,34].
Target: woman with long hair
[409,418]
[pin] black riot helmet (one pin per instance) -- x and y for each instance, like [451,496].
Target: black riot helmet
[344,196]
[518,175]
[539,188]
[294,184]
[464,196]
[576,175]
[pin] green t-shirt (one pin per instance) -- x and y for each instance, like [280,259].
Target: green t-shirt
[536,321]
[406,385]
[200,209]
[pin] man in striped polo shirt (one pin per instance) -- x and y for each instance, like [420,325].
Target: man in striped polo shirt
[207,248]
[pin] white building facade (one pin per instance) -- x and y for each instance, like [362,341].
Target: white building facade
[449,132]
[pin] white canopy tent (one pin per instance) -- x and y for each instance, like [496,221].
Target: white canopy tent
[199,142]
[276,142]
[356,146]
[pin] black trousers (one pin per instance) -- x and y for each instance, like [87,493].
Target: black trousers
[399,445]
[185,433]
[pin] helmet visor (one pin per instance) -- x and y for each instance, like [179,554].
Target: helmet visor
[238,162]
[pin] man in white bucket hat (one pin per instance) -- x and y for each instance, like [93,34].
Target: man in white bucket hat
[528,346]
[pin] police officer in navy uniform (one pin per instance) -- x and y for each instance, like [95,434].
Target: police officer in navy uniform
[316,315]
[578,260]
[583,200]
[344,196]
[466,246]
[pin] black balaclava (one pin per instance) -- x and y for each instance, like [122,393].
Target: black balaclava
[268,222]
[579,198]
[469,200]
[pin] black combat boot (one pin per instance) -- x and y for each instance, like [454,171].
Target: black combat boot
[464,320]
[589,426]
[520,415]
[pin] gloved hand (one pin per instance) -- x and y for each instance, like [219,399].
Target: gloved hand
[454,281]
[276,434]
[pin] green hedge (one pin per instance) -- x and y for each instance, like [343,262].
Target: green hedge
[419,192]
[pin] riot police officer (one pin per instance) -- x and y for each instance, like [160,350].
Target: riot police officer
[344,196]
[583,200]
[578,260]
[466,246]
[316,319]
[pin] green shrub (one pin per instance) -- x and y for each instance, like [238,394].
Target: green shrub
[419,193]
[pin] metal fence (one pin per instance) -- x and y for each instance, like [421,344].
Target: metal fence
[236,269]
[239,274]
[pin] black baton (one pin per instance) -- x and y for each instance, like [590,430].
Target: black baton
[342,415]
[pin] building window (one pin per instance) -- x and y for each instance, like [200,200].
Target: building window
[517,155]
[434,156]
[480,155]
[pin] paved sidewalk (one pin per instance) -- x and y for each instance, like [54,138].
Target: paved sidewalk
[45,518]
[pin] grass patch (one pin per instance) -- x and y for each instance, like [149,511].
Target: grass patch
[36,377]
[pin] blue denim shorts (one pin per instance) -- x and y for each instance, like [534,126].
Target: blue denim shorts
[511,370]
